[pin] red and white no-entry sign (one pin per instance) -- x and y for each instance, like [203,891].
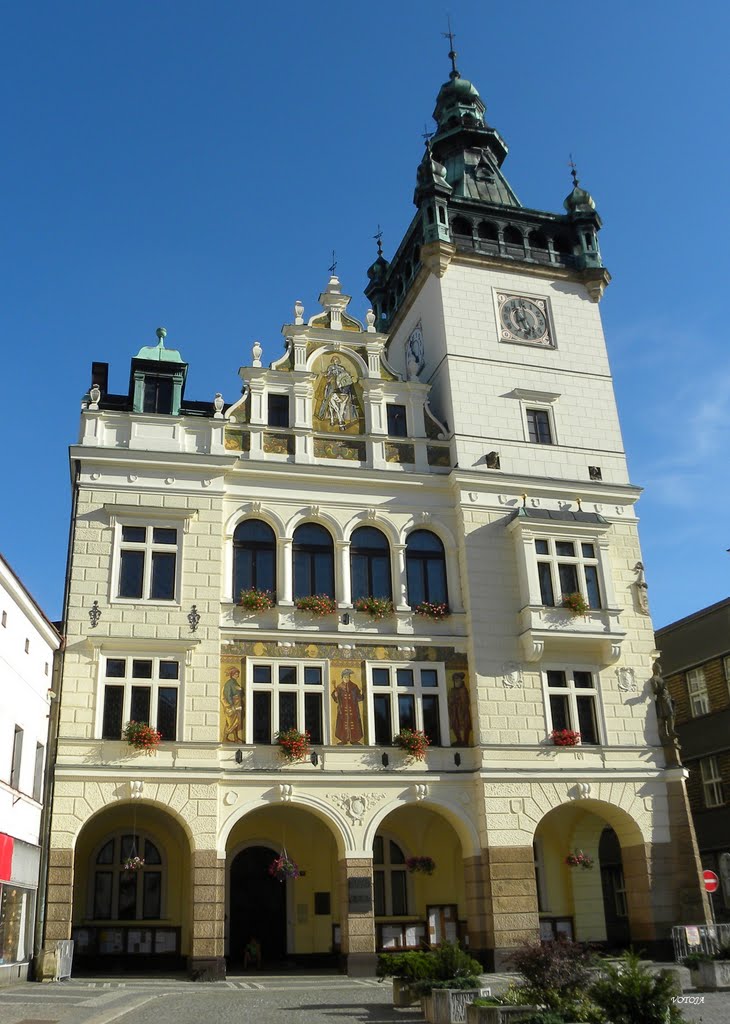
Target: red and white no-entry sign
[711,881]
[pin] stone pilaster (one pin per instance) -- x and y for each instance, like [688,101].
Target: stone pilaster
[206,961]
[479,919]
[357,928]
[59,911]
[511,900]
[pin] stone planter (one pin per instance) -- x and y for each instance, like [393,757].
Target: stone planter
[427,1008]
[449,1004]
[714,976]
[498,1014]
[403,993]
[694,977]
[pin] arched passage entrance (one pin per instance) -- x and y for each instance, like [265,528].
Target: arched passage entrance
[296,920]
[132,880]
[606,902]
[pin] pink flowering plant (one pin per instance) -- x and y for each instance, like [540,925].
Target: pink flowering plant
[565,737]
[432,610]
[317,604]
[293,745]
[425,864]
[254,600]
[142,736]
[415,743]
[376,607]
[576,603]
[579,860]
[283,867]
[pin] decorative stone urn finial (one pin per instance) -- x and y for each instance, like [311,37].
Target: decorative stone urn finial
[218,403]
[298,312]
[94,395]
[370,319]
[256,353]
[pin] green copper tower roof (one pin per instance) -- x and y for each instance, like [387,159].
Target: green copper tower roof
[158,352]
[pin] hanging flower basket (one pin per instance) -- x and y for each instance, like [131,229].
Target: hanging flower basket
[431,610]
[283,867]
[133,864]
[579,860]
[142,736]
[414,742]
[427,865]
[317,604]
[565,738]
[256,600]
[293,745]
[576,603]
[376,607]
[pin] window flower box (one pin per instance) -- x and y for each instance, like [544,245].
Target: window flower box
[375,607]
[316,604]
[432,610]
[254,600]
[293,745]
[565,737]
[415,743]
[576,604]
[142,737]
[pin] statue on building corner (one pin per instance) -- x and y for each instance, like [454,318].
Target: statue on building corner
[665,713]
[642,588]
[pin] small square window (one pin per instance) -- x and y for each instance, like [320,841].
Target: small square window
[312,676]
[288,675]
[164,535]
[278,410]
[565,548]
[262,674]
[115,668]
[142,669]
[541,547]
[134,534]
[147,565]
[588,550]
[404,676]
[538,426]
[169,670]
[397,423]
[429,677]
[381,677]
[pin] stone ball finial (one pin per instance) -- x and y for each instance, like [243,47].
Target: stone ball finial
[161,333]
[256,353]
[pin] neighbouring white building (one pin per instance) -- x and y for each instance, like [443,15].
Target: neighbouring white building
[446,476]
[28,643]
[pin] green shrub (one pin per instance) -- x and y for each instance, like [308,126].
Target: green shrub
[412,966]
[545,1017]
[629,992]
[693,960]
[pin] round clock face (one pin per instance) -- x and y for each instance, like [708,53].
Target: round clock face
[524,319]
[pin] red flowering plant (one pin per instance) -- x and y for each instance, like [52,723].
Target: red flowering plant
[293,745]
[432,610]
[376,607]
[579,860]
[576,603]
[425,864]
[415,743]
[317,604]
[254,600]
[283,867]
[142,736]
[565,737]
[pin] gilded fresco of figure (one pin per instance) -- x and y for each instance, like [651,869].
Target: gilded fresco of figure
[232,700]
[460,710]
[338,402]
[347,695]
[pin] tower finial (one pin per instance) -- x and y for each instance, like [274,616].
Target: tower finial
[378,236]
[333,267]
[452,52]
[573,170]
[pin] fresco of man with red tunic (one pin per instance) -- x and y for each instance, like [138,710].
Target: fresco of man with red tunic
[348,697]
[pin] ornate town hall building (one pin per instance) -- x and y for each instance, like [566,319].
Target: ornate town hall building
[446,476]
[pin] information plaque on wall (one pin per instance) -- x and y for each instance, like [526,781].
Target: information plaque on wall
[360,895]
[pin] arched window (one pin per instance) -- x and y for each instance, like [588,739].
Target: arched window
[370,564]
[426,568]
[461,226]
[390,879]
[538,240]
[254,557]
[314,563]
[512,235]
[488,231]
[127,895]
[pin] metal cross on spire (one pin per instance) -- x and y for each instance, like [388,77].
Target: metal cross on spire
[378,236]
[426,135]
[452,52]
[333,267]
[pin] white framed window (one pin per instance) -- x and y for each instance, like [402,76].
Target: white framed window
[572,702]
[538,415]
[699,701]
[390,878]
[408,696]
[711,782]
[568,566]
[40,752]
[286,695]
[16,760]
[140,688]
[119,895]
[148,562]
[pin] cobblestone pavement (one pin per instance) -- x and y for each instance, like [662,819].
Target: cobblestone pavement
[255,998]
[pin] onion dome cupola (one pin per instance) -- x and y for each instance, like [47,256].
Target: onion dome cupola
[157,378]
[432,196]
[377,275]
[581,210]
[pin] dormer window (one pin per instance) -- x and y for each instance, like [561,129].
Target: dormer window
[278,410]
[157,395]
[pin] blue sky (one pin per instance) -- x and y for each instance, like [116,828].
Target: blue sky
[193,164]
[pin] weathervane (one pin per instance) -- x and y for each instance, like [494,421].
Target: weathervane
[452,53]
[573,170]
[333,266]
[378,236]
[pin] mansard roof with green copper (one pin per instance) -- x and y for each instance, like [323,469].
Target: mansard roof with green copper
[158,352]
